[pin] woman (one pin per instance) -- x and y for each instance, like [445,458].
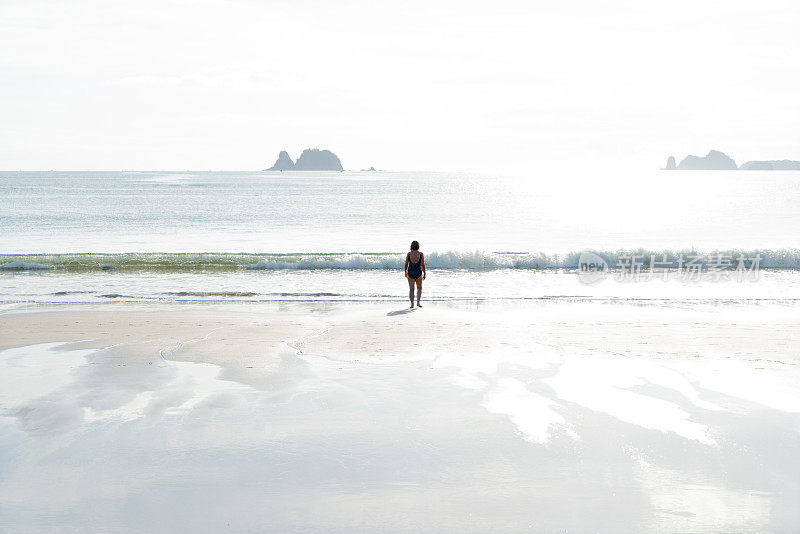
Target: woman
[415,272]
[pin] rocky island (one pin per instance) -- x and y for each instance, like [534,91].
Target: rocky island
[714,160]
[771,165]
[312,159]
[719,161]
[283,163]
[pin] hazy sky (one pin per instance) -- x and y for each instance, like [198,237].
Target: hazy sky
[399,85]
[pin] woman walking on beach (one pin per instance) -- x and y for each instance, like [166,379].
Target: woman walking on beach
[415,272]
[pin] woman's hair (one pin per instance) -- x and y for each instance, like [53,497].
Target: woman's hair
[415,245]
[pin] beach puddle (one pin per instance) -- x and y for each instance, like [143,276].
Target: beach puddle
[50,388]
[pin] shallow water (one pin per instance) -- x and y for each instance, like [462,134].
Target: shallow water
[384,285]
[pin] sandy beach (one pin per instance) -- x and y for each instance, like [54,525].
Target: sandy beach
[562,416]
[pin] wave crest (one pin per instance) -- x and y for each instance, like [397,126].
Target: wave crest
[450,260]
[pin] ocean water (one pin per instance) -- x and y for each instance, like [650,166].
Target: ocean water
[94,236]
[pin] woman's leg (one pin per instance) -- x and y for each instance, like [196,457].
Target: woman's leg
[411,291]
[419,290]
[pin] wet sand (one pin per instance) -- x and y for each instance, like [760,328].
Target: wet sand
[548,417]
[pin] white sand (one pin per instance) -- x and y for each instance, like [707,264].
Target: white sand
[293,417]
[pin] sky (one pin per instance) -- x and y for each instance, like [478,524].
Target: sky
[445,86]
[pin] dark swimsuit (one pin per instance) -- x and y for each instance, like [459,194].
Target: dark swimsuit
[414,269]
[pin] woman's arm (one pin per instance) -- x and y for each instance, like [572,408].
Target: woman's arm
[422,264]
[406,265]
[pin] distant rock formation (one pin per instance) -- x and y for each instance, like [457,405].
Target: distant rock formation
[283,163]
[713,161]
[771,165]
[312,159]
[371,169]
[717,161]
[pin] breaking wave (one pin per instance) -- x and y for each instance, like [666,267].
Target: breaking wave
[18,265]
[452,260]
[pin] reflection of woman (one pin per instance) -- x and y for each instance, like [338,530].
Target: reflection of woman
[415,272]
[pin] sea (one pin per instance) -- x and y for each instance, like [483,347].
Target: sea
[92,237]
